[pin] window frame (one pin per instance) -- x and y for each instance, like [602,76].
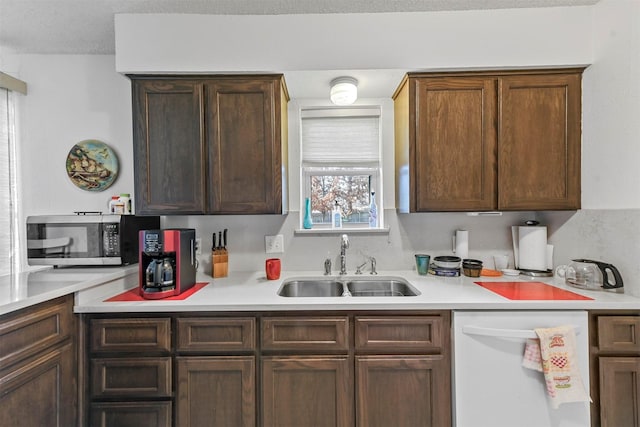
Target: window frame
[343,168]
[340,170]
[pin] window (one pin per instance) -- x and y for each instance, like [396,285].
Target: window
[9,249]
[341,164]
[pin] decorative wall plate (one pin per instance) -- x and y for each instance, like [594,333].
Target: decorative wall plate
[92,165]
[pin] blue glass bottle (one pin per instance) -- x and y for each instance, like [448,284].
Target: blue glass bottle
[307,222]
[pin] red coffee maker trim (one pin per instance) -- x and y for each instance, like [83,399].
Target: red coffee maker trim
[167,263]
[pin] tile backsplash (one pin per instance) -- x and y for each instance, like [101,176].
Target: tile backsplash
[608,235]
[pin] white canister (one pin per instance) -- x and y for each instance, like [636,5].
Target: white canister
[116,207]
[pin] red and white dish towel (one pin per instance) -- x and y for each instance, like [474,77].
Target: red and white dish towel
[554,354]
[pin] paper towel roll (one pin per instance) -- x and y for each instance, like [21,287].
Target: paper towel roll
[462,243]
[532,247]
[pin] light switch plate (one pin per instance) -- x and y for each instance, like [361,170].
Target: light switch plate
[274,244]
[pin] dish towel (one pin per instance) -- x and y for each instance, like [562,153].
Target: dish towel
[554,354]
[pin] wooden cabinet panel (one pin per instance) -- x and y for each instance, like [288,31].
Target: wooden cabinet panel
[399,334]
[619,391]
[40,392]
[488,140]
[216,391]
[130,335]
[244,144]
[539,142]
[455,143]
[307,391]
[169,153]
[210,144]
[144,376]
[302,334]
[30,331]
[138,414]
[216,334]
[619,334]
[402,391]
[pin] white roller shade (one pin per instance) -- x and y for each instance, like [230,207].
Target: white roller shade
[340,139]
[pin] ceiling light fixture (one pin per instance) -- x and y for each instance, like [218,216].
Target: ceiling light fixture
[344,90]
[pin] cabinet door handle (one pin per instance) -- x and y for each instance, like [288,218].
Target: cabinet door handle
[503,333]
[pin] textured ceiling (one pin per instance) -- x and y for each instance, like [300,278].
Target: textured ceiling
[86,26]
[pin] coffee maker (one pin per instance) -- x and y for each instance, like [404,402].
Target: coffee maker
[167,262]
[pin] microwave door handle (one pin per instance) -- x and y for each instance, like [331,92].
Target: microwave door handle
[504,333]
[48,243]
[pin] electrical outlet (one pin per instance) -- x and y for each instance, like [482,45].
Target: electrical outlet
[198,246]
[274,244]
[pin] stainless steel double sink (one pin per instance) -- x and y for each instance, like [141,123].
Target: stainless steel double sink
[345,287]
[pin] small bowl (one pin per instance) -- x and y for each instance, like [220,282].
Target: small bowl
[471,262]
[472,271]
[447,261]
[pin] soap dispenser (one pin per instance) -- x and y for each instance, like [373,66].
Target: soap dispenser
[336,216]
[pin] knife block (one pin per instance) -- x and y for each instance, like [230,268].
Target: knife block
[220,265]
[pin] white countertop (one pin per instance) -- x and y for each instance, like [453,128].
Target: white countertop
[245,291]
[26,289]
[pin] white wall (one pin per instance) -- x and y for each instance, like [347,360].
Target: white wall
[611,109]
[608,227]
[203,43]
[70,99]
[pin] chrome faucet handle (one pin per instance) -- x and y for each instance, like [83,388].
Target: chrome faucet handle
[344,241]
[359,268]
[327,267]
[373,265]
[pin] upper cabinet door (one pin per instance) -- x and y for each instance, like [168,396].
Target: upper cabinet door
[244,144]
[455,144]
[169,153]
[539,142]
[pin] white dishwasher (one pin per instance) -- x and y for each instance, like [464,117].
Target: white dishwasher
[491,388]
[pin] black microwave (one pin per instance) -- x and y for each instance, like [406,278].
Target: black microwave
[68,240]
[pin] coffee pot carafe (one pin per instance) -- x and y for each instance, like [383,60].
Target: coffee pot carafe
[160,273]
[592,275]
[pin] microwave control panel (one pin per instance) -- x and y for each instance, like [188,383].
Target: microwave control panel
[111,239]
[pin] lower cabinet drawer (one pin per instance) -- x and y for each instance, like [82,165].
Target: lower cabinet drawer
[424,334]
[140,377]
[305,334]
[619,333]
[139,414]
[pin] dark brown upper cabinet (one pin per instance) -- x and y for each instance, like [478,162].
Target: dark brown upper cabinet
[210,144]
[483,141]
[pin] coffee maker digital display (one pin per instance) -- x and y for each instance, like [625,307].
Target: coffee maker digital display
[167,262]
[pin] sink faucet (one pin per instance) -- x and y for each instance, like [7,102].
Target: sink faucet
[344,244]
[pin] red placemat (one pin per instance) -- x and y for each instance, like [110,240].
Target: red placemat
[530,291]
[134,294]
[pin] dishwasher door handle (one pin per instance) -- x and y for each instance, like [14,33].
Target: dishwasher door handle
[503,333]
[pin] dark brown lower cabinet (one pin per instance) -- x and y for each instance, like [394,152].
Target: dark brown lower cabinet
[40,393]
[614,338]
[130,378]
[402,391]
[307,391]
[216,391]
[131,414]
[275,369]
[375,370]
[620,391]
[38,366]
